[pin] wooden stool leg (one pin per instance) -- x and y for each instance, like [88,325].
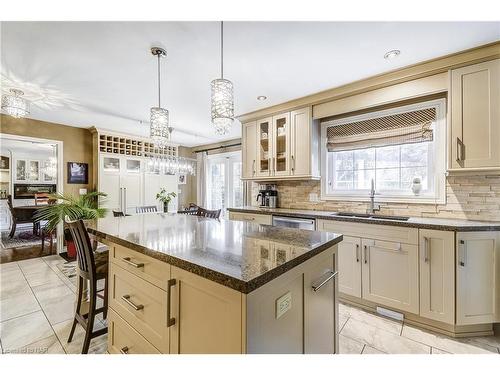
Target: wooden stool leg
[13,229]
[91,316]
[78,306]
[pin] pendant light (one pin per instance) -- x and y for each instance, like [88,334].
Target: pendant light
[159,129]
[222,107]
[14,104]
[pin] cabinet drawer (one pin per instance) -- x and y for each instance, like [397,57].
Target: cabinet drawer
[122,338]
[374,231]
[147,268]
[255,218]
[140,304]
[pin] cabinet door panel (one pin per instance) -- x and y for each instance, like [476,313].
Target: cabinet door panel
[264,147]
[475,94]
[300,158]
[437,275]
[390,274]
[478,277]
[349,258]
[208,316]
[280,163]
[132,191]
[249,147]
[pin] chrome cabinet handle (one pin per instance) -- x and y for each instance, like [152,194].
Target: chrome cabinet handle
[323,280]
[126,298]
[365,249]
[426,249]
[464,253]
[124,350]
[253,168]
[357,253]
[293,164]
[170,284]
[460,152]
[125,200]
[120,199]
[129,262]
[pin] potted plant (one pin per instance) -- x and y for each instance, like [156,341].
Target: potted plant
[165,198]
[83,207]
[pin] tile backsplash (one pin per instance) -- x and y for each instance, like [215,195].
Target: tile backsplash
[472,197]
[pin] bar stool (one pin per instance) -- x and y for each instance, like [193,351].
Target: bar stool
[92,266]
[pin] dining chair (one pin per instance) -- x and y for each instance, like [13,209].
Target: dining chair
[213,214]
[19,217]
[92,267]
[145,209]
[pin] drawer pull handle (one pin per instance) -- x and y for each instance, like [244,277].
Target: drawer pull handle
[170,284]
[426,249]
[323,280]
[126,298]
[124,350]
[357,253]
[464,253]
[365,249]
[129,262]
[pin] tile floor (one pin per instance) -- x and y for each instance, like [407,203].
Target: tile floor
[37,302]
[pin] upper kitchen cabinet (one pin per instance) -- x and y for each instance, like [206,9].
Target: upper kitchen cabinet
[284,146]
[475,117]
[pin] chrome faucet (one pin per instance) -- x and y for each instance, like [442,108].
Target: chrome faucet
[373,207]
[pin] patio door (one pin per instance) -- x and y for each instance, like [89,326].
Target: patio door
[224,185]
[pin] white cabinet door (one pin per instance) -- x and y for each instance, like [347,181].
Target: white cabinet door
[478,277]
[169,182]
[109,183]
[280,162]
[152,186]
[390,274]
[437,275]
[300,137]
[249,149]
[264,147]
[475,116]
[349,267]
[132,192]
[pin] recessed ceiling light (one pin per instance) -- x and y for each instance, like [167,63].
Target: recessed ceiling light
[392,54]
[261,97]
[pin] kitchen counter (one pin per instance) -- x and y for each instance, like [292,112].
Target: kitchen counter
[223,251]
[413,222]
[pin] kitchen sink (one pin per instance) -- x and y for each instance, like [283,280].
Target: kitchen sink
[369,216]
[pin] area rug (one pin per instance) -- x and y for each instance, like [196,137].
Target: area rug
[68,268]
[25,238]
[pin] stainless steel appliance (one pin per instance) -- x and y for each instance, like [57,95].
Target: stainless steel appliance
[294,222]
[268,196]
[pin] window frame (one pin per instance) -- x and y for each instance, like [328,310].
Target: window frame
[437,160]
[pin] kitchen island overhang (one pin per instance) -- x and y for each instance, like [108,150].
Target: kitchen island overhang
[219,286]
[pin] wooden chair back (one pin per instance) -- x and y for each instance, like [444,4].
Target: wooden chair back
[213,214]
[145,209]
[84,251]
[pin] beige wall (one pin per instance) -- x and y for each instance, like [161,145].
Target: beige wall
[77,142]
[473,197]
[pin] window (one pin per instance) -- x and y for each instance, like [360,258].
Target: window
[224,185]
[379,146]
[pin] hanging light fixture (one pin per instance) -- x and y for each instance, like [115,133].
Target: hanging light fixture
[14,104]
[222,107]
[159,129]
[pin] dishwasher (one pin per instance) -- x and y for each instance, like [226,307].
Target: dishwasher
[294,222]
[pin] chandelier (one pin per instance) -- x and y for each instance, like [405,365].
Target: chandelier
[222,101]
[170,165]
[159,121]
[14,104]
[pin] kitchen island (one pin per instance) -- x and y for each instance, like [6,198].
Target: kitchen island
[186,284]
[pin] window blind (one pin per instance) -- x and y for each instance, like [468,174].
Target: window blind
[398,128]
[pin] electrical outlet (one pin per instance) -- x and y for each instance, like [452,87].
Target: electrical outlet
[283,304]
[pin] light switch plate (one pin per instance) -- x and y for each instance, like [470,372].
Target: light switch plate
[283,304]
[83,191]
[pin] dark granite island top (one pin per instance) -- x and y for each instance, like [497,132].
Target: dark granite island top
[224,251]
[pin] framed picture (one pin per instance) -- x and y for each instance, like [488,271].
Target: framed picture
[182,179]
[78,173]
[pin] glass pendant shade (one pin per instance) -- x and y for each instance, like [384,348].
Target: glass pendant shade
[159,129]
[222,105]
[14,105]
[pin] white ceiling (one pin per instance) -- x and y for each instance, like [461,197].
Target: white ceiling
[102,74]
[37,149]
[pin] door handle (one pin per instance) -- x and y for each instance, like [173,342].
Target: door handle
[357,253]
[126,298]
[129,262]
[125,200]
[426,249]
[460,152]
[323,280]
[464,253]
[253,168]
[293,164]
[170,284]
[365,250]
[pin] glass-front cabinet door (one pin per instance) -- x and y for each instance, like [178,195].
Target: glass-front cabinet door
[280,164]
[264,147]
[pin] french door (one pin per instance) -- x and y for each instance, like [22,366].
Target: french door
[224,185]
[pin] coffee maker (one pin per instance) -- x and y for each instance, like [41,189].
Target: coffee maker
[268,196]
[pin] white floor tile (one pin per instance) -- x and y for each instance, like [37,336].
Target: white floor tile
[349,346]
[49,345]
[19,332]
[18,305]
[62,331]
[369,350]
[377,321]
[43,277]
[438,351]
[12,288]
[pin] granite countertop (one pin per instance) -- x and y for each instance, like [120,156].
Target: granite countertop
[232,253]
[413,222]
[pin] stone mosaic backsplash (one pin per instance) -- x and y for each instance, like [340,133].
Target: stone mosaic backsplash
[472,197]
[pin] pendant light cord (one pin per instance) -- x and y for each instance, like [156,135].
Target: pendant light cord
[222,49]
[159,82]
